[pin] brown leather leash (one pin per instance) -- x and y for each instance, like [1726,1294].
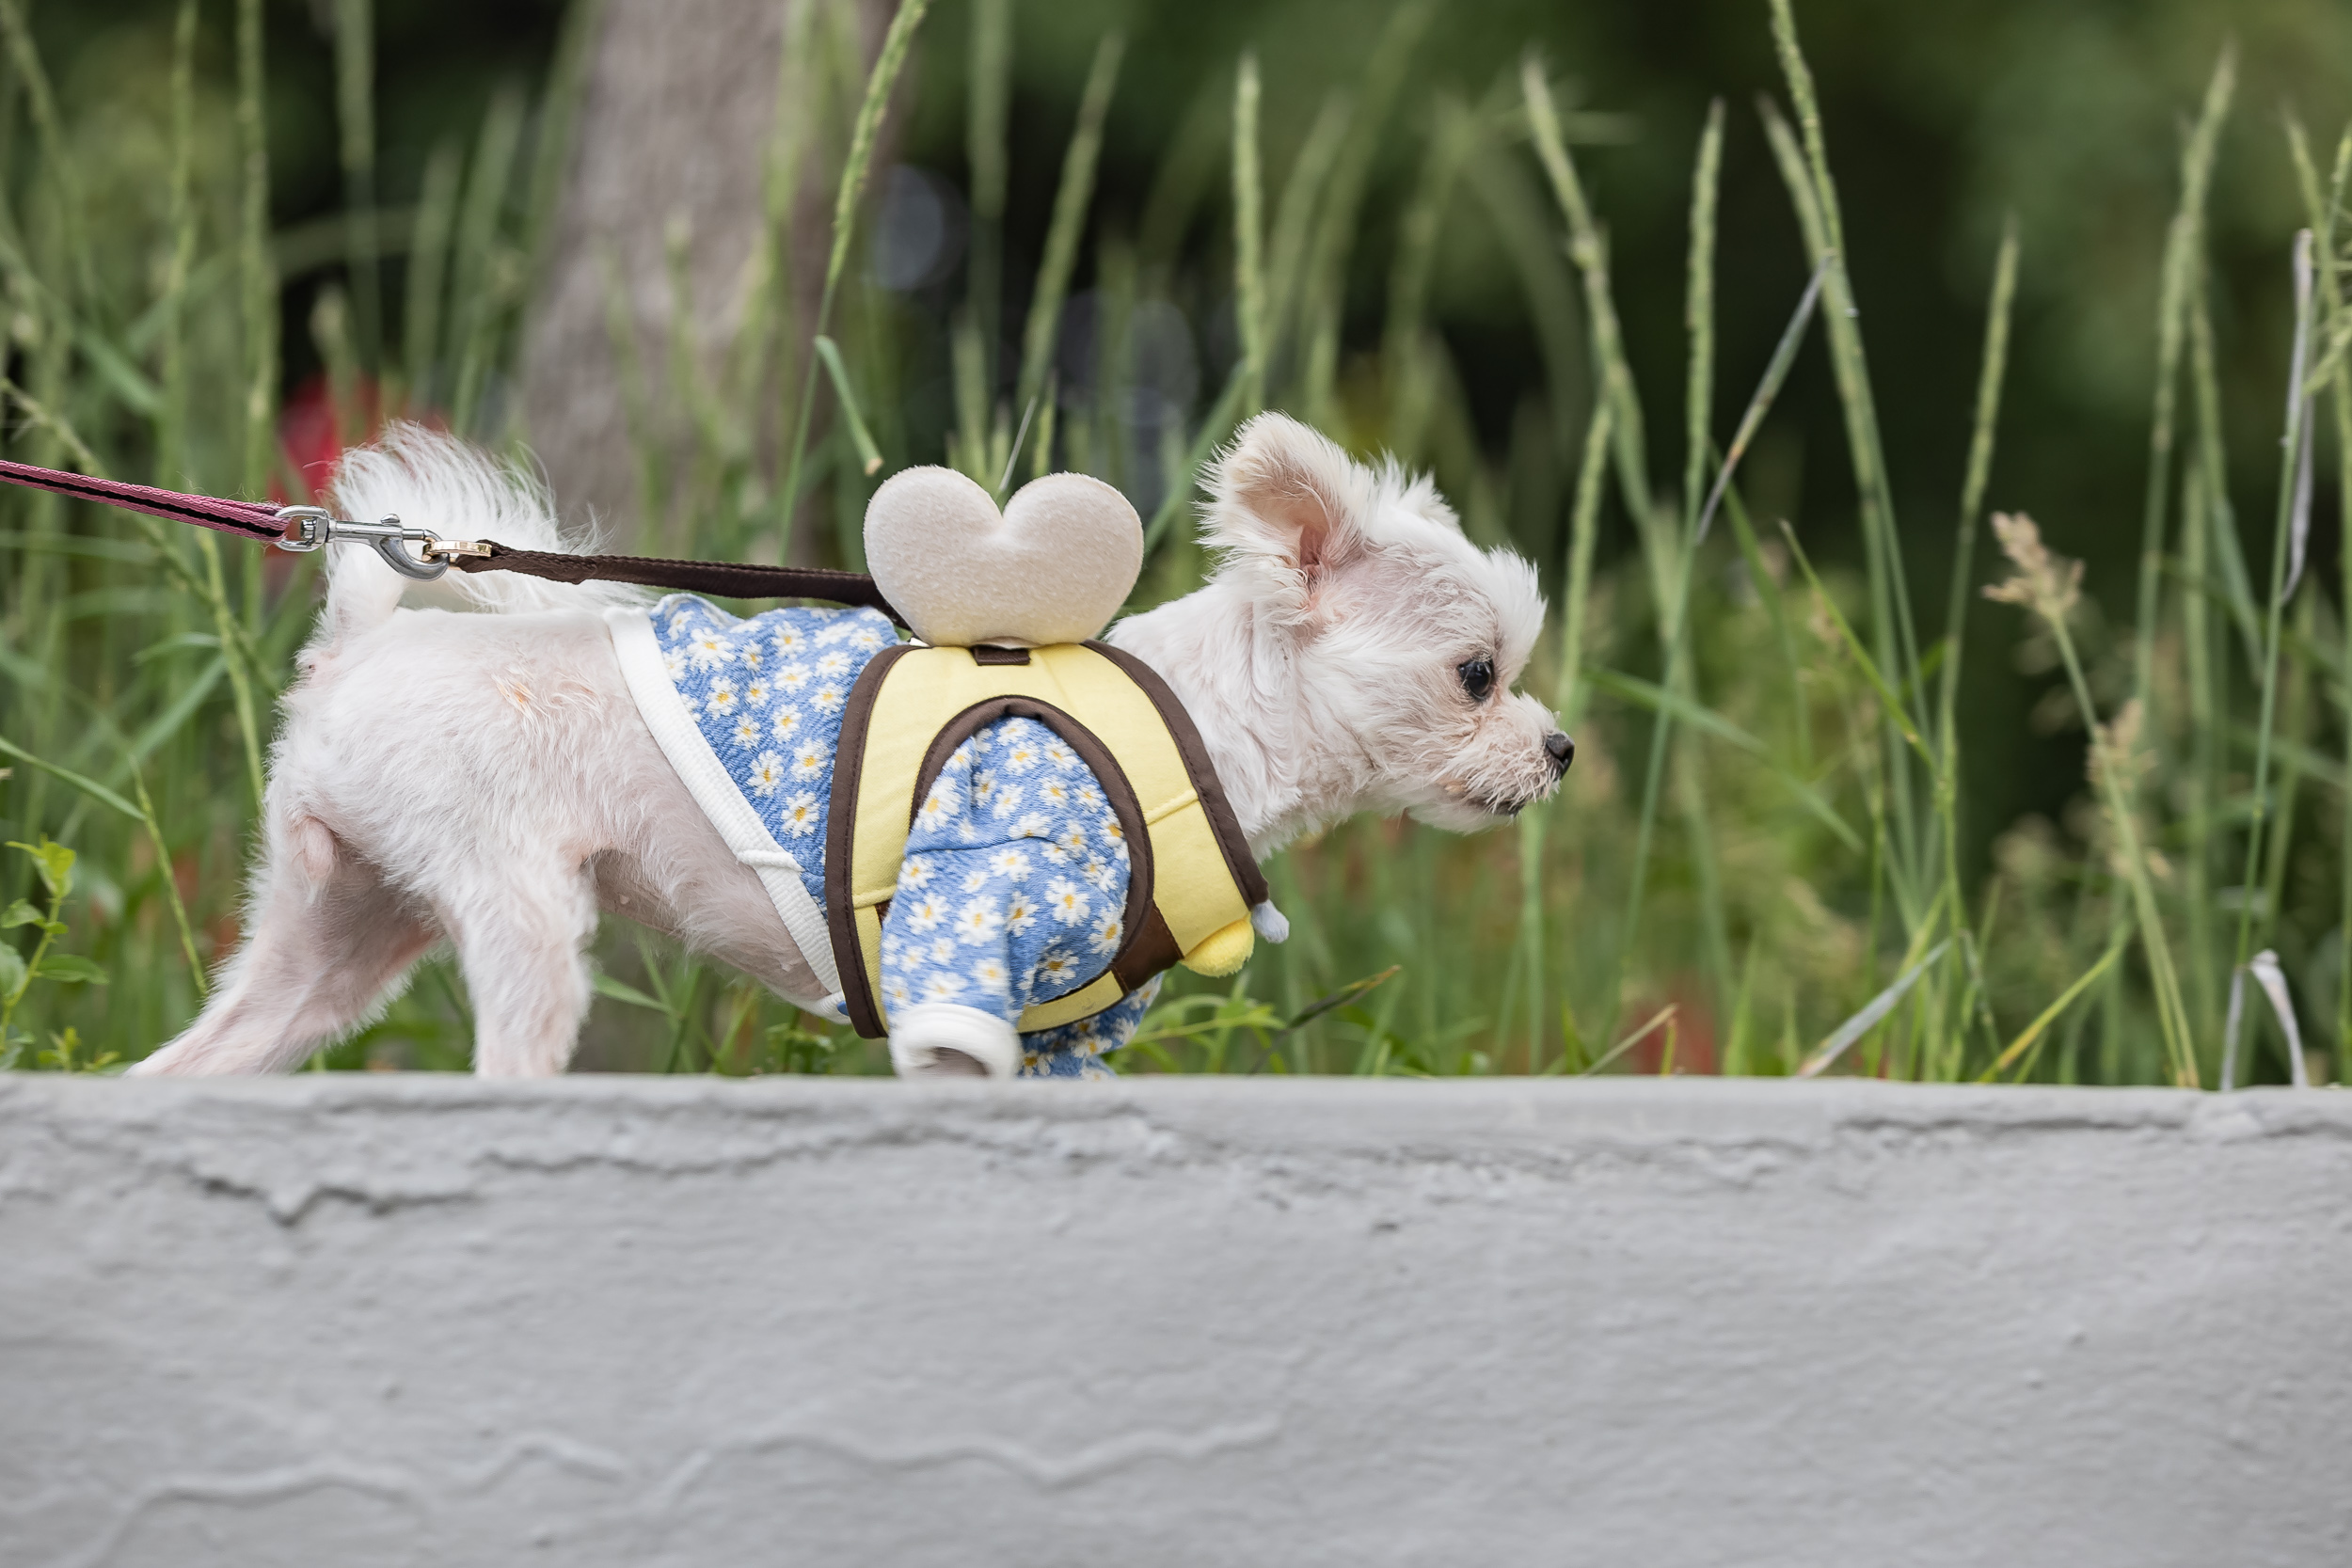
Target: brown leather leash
[690,576]
[308,528]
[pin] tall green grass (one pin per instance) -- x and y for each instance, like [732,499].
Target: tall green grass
[1757,865]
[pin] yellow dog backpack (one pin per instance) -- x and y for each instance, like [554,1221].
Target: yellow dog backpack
[1191,881]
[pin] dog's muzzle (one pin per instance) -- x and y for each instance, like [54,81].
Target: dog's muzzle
[1560,749]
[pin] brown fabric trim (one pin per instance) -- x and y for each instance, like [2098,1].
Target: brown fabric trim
[1222,821]
[1153,950]
[1108,773]
[987,654]
[691,577]
[849,762]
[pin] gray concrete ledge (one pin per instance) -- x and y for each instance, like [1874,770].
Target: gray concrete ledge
[342,1322]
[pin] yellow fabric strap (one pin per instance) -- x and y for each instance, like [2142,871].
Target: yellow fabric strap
[924,690]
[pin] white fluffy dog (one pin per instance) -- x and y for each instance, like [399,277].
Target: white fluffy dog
[486,779]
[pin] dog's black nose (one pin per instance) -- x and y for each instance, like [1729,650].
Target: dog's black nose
[1560,749]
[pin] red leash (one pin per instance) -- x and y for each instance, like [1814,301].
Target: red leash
[250,519]
[306,528]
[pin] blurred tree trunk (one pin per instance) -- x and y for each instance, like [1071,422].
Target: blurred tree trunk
[673,130]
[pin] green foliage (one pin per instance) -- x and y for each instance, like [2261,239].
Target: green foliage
[1769,858]
[54,865]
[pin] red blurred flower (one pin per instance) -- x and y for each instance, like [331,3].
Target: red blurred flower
[311,431]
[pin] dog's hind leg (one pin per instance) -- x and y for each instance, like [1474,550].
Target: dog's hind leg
[330,940]
[522,934]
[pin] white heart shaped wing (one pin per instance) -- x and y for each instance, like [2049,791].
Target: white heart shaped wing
[1054,566]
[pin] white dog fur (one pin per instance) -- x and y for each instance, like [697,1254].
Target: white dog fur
[485,778]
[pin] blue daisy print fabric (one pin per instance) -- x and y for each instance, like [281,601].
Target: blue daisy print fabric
[1013,890]
[1014,886]
[768,694]
[1075,1049]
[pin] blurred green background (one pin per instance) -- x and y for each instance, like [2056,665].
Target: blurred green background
[1943,120]
[1943,124]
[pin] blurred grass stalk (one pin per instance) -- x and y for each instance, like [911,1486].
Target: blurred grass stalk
[2321,212]
[855,170]
[1810,882]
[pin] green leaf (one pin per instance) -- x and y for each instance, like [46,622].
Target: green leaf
[1896,713]
[1340,997]
[1706,720]
[868,456]
[89,787]
[54,861]
[606,986]
[20,913]
[12,971]
[2049,1015]
[71,968]
[1658,1020]
[1870,1017]
[175,644]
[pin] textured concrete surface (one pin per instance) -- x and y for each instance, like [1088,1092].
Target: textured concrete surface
[355,1321]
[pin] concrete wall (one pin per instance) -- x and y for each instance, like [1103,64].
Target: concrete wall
[341,1322]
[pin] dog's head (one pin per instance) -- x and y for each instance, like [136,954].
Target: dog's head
[1399,631]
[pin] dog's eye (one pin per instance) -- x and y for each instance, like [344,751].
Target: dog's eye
[1478,678]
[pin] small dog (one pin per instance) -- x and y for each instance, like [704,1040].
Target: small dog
[486,778]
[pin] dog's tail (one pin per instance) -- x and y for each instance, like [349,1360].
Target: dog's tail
[431,480]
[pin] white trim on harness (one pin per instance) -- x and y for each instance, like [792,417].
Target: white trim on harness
[705,778]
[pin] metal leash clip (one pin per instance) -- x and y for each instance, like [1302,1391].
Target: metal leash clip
[309,526]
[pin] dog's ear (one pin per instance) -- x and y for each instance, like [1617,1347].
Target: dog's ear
[1287,508]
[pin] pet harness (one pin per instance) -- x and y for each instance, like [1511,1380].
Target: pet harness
[815,741]
[1191,882]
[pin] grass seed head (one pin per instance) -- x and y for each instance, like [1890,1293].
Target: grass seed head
[2117,748]
[2119,751]
[2049,585]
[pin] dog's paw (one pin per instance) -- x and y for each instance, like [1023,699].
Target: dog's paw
[942,1039]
